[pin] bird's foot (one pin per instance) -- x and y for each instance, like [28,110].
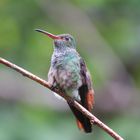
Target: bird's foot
[55,88]
[71,101]
[52,87]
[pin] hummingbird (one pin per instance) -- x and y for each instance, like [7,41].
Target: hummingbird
[69,74]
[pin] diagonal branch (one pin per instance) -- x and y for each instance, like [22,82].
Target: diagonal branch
[74,103]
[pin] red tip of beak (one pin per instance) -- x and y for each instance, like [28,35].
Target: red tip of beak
[48,34]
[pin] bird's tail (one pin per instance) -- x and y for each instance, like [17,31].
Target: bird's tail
[82,121]
[87,101]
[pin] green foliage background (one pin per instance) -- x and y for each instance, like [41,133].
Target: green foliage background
[116,25]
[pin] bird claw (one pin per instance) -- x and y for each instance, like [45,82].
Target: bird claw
[55,88]
[52,87]
[70,101]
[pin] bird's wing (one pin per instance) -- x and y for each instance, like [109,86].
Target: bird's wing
[86,93]
[86,90]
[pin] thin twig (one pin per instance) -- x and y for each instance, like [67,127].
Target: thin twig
[93,119]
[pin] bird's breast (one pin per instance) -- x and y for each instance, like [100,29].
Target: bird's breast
[67,73]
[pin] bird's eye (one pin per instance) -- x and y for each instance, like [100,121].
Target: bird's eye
[67,38]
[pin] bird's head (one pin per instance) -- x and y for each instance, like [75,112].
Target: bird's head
[61,41]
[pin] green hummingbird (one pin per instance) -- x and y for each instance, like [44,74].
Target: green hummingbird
[69,74]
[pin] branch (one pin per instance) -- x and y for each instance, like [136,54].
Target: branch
[93,119]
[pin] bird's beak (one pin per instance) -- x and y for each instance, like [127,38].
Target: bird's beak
[48,34]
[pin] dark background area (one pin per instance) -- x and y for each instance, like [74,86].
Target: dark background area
[108,38]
